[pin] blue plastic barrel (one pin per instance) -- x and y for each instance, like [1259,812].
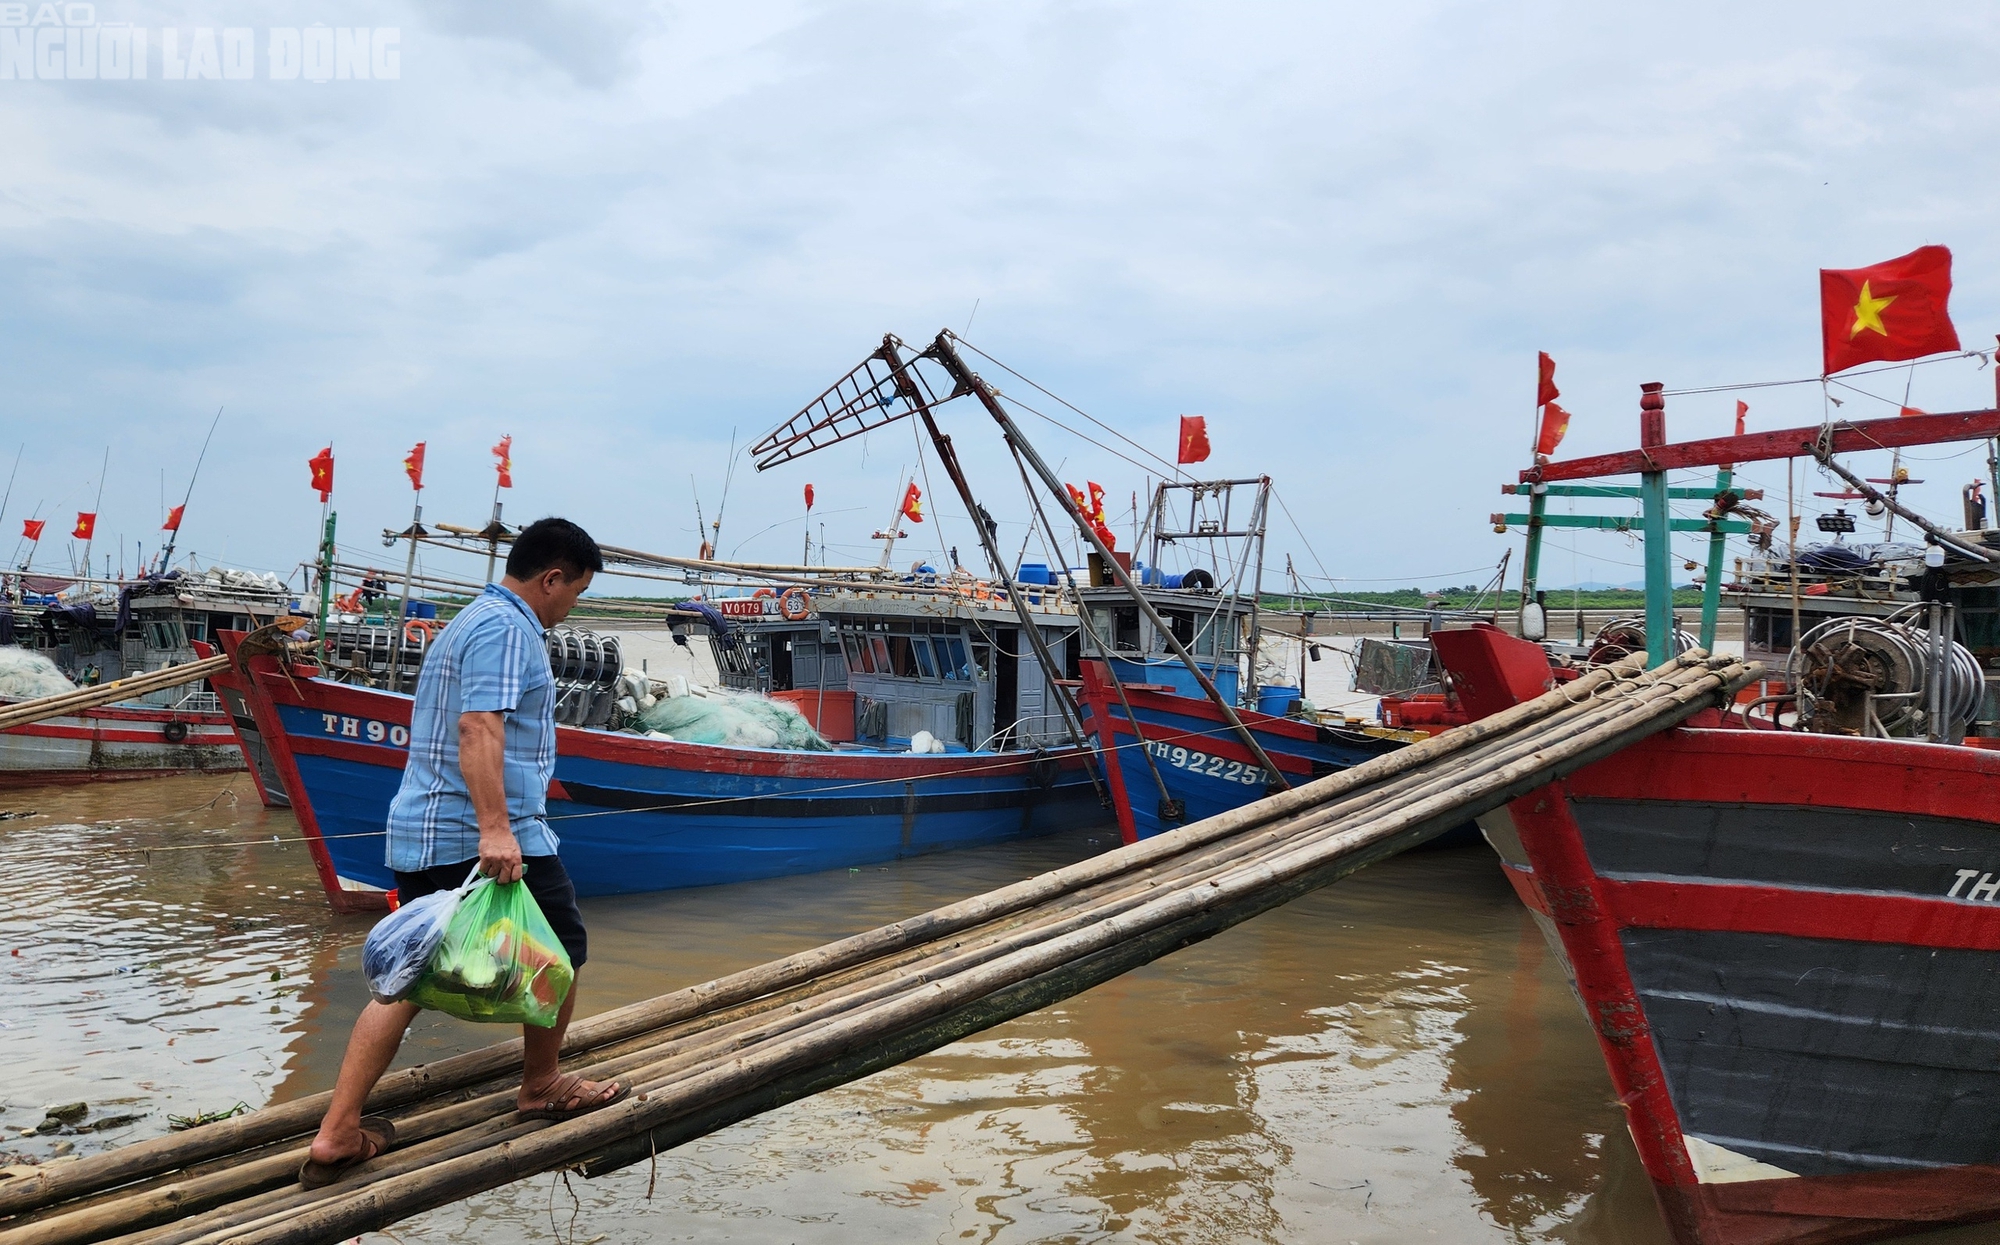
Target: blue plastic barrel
[1276,700]
[421,609]
[1034,573]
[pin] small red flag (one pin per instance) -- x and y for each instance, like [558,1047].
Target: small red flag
[809,497]
[1545,380]
[31,529]
[1082,502]
[505,453]
[1096,500]
[86,523]
[322,469]
[1555,425]
[1194,439]
[1888,311]
[173,523]
[1742,409]
[414,465]
[913,503]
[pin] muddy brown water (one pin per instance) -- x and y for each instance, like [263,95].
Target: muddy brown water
[1395,1058]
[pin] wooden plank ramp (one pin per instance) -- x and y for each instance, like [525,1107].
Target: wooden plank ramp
[709,1055]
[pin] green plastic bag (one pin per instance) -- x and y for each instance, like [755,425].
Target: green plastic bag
[499,963]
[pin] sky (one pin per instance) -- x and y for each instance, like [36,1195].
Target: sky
[631,235]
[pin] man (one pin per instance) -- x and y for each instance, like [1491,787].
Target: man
[482,751]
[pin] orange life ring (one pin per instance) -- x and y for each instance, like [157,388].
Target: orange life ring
[419,626]
[762,592]
[794,604]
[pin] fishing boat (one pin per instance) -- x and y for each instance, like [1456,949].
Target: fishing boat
[1782,925]
[1171,753]
[154,623]
[636,812]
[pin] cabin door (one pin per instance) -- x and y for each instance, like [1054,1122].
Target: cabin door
[781,663]
[1006,679]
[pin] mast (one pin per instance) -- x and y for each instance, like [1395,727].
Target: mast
[96,509]
[1257,589]
[174,533]
[397,627]
[1655,520]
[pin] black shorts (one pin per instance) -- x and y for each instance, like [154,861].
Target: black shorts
[547,881]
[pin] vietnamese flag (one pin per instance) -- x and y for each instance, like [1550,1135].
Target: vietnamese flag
[809,497]
[1555,425]
[86,523]
[1545,380]
[322,469]
[1888,311]
[31,529]
[414,465]
[505,453]
[913,503]
[173,523]
[1096,500]
[1194,439]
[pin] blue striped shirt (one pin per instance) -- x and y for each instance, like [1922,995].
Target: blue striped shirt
[490,659]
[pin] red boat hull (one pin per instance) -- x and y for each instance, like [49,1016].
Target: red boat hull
[1786,948]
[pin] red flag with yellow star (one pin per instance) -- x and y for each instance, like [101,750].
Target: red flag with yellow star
[1888,311]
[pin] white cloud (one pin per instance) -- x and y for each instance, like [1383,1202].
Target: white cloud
[1339,231]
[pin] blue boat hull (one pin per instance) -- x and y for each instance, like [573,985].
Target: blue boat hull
[636,815]
[1202,764]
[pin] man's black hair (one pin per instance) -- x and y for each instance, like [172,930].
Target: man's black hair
[553,542]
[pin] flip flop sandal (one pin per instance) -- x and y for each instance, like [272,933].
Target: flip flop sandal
[376,1131]
[564,1090]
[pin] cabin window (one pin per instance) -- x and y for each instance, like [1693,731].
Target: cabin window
[878,655]
[926,660]
[196,626]
[1770,629]
[1117,629]
[1204,638]
[951,651]
[1978,616]
[857,654]
[902,657]
[165,634]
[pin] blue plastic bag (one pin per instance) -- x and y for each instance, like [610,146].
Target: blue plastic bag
[401,945]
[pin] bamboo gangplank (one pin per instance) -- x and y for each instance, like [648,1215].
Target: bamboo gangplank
[706,1056]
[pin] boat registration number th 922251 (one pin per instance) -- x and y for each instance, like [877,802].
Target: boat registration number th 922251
[343,727]
[1202,763]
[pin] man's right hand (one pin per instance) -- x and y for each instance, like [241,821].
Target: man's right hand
[500,855]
